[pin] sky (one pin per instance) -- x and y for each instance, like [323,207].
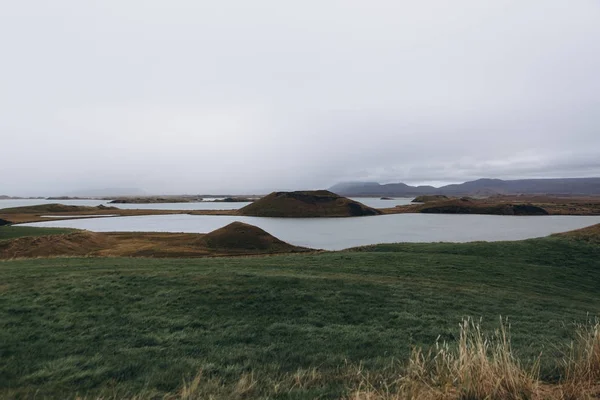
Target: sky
[237,96]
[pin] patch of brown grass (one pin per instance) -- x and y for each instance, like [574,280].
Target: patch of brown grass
[478,367]
[236,239]
[481,367]
[591,234]
[582,363]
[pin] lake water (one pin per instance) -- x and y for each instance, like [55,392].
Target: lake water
[375,202]
[341,233]
[200,205]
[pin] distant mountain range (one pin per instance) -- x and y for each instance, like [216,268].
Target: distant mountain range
[479,187]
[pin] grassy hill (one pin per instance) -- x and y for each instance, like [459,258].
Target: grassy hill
[240,236]
[298,326]
[318,203]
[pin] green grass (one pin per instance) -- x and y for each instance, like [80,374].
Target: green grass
[13,232]
[89,325]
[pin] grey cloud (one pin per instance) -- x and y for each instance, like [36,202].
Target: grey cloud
[197,96]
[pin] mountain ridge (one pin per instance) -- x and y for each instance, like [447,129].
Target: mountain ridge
[481,187]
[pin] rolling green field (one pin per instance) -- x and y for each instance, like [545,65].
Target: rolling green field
[118,326]
[13,232]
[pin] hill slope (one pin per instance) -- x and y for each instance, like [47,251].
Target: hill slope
[240,236]
[318,203]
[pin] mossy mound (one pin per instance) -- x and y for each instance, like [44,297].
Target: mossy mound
[306,204]
[243,237]
[4,222]
[429,198]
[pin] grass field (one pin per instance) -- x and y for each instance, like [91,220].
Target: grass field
[120,326]
[13,232]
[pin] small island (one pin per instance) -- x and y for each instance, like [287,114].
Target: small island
[429,198]
[306,204]
[155,200]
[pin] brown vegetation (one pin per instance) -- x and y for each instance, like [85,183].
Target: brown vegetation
[71,244]
[234,239]
[480,367]
[244,237]
[318,203]
[591,234]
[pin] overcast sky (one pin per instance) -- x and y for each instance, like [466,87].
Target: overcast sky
[196,96]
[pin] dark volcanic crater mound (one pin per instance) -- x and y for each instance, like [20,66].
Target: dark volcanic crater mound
[306,204]
[241,236]
[466,207]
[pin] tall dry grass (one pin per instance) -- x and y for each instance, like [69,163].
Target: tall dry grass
[477,367]
[581,365]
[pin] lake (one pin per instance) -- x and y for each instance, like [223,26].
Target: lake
[341,233]
[375,202]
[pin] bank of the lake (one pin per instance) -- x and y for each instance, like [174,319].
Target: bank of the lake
[342,233]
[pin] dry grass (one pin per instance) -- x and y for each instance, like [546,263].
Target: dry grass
[232,240]
[591,234]
[481,367]
[582,364]
[478,367]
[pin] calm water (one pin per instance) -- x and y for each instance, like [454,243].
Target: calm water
[201,205]
[341,233]
[375,202]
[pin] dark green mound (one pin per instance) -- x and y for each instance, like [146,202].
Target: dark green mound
[4,222]
[240,236]
[307,204]
[466,207]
